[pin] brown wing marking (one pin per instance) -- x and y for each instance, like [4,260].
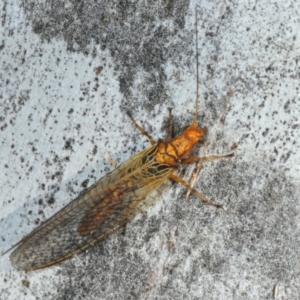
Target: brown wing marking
[97,213]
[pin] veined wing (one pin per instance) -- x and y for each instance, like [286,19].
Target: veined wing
[96,213]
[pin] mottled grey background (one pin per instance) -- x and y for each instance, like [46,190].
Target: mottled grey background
[69,71]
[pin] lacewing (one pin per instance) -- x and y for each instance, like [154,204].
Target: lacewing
[114,200]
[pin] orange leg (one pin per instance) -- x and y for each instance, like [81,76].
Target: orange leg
[192,160]
[199,160]
[199,195]
[193,179]
[141,129]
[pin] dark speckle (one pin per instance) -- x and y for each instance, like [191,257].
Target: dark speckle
[95,150]
[286,105]
[68,144]
[47,115]
[51,200]
[56,175]
[25,282]
[265,132]
[98,70]
[85,183]
[38,27]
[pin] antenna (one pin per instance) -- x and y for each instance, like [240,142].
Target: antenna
[197,73]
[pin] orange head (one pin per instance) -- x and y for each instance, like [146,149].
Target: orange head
[194,133]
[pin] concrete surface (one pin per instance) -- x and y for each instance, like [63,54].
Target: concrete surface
[68,73]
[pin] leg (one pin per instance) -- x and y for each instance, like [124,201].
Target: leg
[171,126]
[193,179]
[202,197]
[192,160]
[141,129]
[199,160]
[110,160]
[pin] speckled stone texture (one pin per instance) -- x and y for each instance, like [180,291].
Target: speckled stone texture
[69,71]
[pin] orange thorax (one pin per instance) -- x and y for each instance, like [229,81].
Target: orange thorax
[180,147]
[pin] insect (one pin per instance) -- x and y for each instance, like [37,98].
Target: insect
[114,200]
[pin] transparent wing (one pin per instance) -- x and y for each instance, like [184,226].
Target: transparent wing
[96,213]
